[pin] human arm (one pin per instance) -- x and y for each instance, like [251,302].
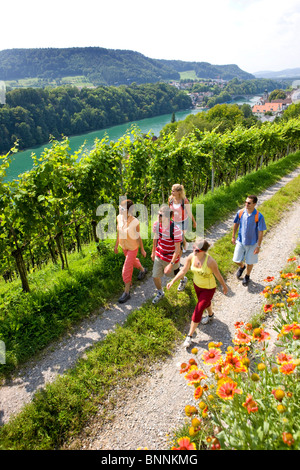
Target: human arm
[117,242]
[259,242]
[212,264]
[153,248]
[176,253]
[235,228]
[190,214]
[139,238]
[182,272]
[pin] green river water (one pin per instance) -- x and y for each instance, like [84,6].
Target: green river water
[22,161]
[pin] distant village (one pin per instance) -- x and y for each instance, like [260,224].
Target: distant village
[264,109]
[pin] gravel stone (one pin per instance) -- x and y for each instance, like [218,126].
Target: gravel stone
[153,407]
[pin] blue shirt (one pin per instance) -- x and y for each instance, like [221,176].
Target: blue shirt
[248,231]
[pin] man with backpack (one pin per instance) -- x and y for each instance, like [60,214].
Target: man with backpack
[251,226]
[166,249]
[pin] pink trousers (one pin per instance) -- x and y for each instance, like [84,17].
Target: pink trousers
[131,261]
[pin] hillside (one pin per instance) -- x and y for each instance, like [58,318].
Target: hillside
[287,73]
[103,66]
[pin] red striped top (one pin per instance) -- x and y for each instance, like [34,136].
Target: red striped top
[165,246]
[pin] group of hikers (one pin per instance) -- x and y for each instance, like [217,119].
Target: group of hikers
[169,244]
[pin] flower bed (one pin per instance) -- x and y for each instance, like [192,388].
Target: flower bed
[249,397]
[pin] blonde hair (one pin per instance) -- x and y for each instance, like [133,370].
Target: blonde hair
[179,188]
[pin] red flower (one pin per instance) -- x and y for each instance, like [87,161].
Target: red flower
[283,357]
[250,404]
[212,356]
[195,375]
[287,438]
[260,335]
[287,368]
[227,389]
[268,307]
[269,279]
[241,338]
[185,444]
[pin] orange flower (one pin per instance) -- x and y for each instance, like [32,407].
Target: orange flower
[287,368]
[250,404]
[286,329]
[278,394]
[241,338]
[195,375]
[260,335]
[184,444]
[212,356]
[184,368]
[190,410]
[288,275]
[283,357]
[269,279]
[287,438]
[198,392]
[268,307]
[234,362]
[293,294]
[292,259]
[227,389]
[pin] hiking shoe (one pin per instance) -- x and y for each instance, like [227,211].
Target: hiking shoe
[182,284]
[124,297]
[158,297]
[207,319]
[246,280]
[142,274]
[188,341]
[240,272]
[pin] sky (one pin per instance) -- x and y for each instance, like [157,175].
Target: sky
[257,35]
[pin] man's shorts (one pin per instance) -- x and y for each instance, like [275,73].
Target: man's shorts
[159,266]
[245,253]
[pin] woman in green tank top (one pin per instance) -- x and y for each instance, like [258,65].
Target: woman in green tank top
[205,272]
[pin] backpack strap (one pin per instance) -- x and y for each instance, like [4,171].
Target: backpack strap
[171,230]
[256,215]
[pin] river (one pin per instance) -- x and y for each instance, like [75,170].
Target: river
[22,161]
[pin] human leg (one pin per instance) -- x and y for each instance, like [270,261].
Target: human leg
[204,302]
[130,261]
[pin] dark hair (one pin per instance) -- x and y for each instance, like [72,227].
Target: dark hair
[166,210]
[127,203]
[202,244]
[254,198]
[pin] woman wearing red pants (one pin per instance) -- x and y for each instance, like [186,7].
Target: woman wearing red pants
[205,271]
[128,237]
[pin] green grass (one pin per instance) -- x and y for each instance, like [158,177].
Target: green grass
[60,410]
[188,75]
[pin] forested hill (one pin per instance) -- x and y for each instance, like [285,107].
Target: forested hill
[104,66]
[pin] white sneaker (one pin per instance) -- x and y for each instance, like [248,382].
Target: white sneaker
[182,284]
[207,319]
[187,342]
[158,297]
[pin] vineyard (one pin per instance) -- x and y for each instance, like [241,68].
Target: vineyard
[52,209]
[31,319]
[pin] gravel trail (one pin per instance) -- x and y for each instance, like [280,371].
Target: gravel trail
[154,407]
